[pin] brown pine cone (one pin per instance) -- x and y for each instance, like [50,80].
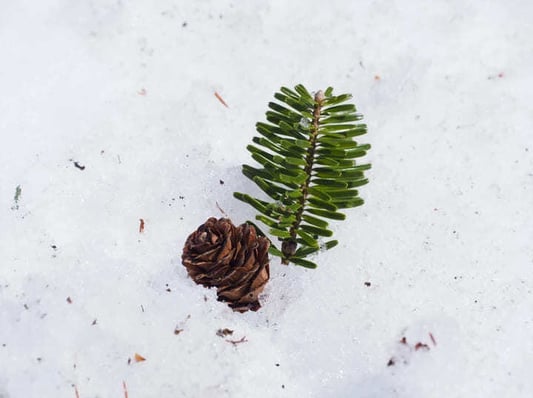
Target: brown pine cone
[232,259]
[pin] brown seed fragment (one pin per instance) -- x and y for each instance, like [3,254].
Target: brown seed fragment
[224,332]
[421,346]
[139,358]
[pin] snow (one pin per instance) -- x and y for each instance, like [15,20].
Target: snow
[126,90]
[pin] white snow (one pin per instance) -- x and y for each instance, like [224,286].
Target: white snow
[126,89]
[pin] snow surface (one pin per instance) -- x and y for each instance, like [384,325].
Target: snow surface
[126,90]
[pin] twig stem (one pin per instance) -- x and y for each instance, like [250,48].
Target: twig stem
[289,246]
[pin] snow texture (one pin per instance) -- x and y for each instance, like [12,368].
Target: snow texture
[108,116]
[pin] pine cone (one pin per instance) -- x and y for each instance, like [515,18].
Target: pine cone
[232,259]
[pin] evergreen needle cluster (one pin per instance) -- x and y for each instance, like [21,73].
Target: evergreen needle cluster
[308,156]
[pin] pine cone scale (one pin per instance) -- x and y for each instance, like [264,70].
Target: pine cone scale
[260,280]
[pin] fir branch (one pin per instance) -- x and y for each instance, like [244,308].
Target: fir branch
[308,153]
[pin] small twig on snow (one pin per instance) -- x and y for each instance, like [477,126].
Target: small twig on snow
[125,389]
[432,338]
[221,210]
[235,342]
[221,100]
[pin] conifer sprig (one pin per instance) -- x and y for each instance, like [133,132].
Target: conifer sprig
[308,156]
